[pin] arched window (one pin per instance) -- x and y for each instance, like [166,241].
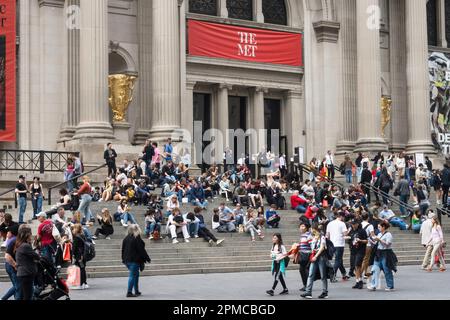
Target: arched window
[432,22]
[274,11]
[240,9]
[208,7]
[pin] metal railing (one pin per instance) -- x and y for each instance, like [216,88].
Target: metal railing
[34,160]
[306,168]
[9,191]
[70,180]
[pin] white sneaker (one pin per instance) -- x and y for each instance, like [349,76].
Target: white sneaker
[85,286]
[219,242]
[174,241]
[186,240]
[389,289]
[150,238]
[211,243]
[370,288]
[196,236]
[3,244]
[108,238]
[76,288]
[94,238]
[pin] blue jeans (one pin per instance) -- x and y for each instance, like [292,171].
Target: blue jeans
[338,263]
[321,263]
[86,200]
[238,220]
[200,204]
[169,179]
[358,174]
[379,265]
[348,175]
[300,209]
[87,233]
[22,208]
[47,252]
[149,228]
[133,277]
[416,227]
[37,205]
[403,198]
[397,222]
[193,228]
[70,184]
[14,290]
[128,217]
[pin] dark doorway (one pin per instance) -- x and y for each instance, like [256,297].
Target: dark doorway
[237,119]
[272,121]
[202,113]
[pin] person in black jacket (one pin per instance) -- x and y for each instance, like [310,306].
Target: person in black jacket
[384,183]
[26,260]
[366,178]
[78,254]
[445,177]
[106,225]
[134,257]
[110,156]
[148,153]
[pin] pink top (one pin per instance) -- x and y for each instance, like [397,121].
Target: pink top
[156,158]
[436,235]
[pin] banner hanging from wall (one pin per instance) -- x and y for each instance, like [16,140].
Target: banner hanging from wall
[8,70]
[248,44]
[439,72]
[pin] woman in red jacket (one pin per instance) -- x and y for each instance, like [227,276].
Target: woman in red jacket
[298,203]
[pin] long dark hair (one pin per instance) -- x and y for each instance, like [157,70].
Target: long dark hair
[23,236]
[280,241]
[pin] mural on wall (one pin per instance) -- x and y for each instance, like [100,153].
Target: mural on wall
[439,71]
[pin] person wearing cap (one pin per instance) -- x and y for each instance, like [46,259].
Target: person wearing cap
[21,193]
[426,227]
[336,232]
[45,236]
[358,243]
[389,215]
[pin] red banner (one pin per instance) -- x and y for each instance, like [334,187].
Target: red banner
[248,44]
[8,70]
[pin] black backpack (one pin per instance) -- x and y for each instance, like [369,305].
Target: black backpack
[89,250]
[330,249]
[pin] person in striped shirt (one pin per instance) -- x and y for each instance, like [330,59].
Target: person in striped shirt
[304,247]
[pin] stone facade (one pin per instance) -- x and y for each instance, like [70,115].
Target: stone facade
[333,102]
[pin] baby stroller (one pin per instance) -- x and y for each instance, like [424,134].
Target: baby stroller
[48,284]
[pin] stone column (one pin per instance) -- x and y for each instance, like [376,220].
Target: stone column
[442,39]
[399,117]
[419,127]
[166,69]
[145,70]
[348,114]
[258,119]
[369,81]
[94,115]
[73,73]
[257,4]
[223,10]
[24,110]
[222,117]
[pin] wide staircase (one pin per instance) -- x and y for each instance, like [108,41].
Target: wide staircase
[238,253]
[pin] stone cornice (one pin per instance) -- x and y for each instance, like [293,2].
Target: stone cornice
[327,31]
[52,3]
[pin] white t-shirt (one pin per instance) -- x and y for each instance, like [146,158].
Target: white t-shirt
[336,229]
[368,230]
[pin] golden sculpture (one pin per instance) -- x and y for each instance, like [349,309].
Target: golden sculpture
[386,105]
[121,88]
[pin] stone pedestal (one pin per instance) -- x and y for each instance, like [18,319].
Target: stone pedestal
[122,132]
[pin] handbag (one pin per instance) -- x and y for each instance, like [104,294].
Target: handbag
[67,252]
[73,276]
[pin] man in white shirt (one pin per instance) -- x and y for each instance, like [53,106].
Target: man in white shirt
[283,165]
[425,229]
[175,224]
[329,160]
[400,164]
[368,227]
[336,232]
[308,189]
[389,215]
